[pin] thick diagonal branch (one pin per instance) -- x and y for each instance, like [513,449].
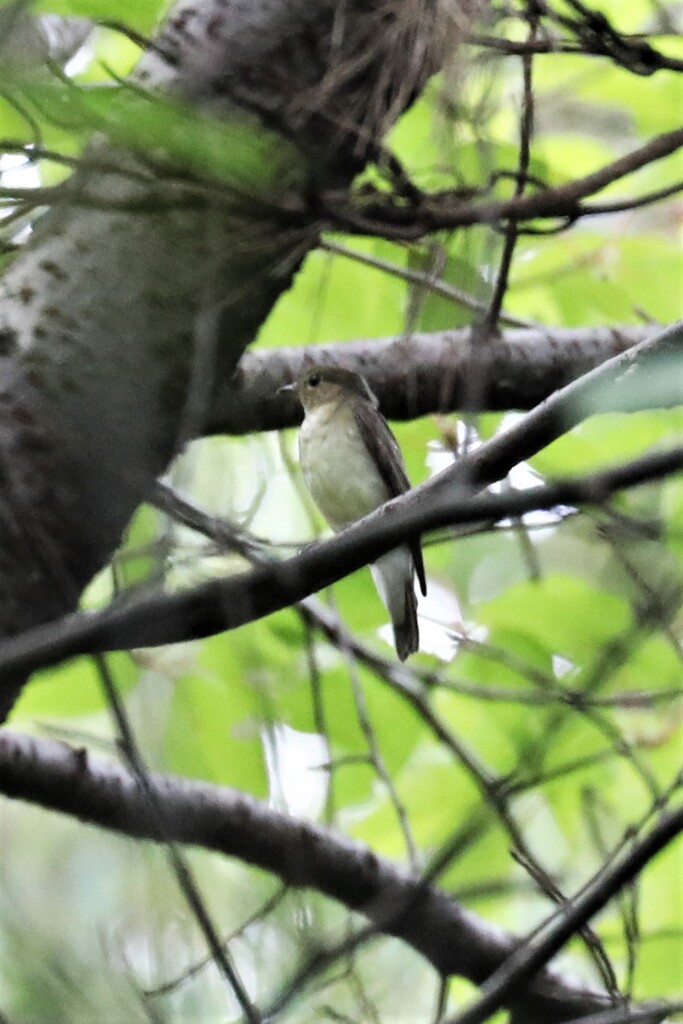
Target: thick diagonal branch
[302,854]
[447,499]
[223,604]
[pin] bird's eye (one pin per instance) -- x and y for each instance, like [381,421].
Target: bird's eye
[313,380]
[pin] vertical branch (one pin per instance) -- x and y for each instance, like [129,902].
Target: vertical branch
[490,321]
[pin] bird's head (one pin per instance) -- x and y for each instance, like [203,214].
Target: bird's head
[320,385]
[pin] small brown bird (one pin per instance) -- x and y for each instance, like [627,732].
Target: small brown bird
[352,464]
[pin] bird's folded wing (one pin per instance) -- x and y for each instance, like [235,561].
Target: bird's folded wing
[386,454]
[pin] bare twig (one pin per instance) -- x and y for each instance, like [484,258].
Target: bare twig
[439,211]
[525,133]
[527,959]
[163,833]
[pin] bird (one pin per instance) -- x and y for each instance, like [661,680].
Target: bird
[351,464]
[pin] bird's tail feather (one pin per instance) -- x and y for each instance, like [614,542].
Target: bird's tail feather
[393,575]
[406,632]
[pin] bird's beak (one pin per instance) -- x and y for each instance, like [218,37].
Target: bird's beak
[286,388]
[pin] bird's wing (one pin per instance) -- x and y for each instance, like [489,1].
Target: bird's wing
[386,454]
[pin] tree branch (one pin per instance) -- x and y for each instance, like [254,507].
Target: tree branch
[656,61]
[447,499]
[227,603]
[647,1014]
[425,373]
[535,953]
[441,211]
[301,854]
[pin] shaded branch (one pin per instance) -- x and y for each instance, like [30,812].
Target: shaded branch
[597,34]
[444,500]
[535,953]
[444,210]
[655,60]
[224,604]
[425,373]
[301,854]
[647,1014]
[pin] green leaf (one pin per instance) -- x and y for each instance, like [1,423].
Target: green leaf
[653,665]
[607,439]
[237,152]
[395,725]
[437,794]
[660,893]
[437,312]
[672,511]
[213,736]
[589,278]
[139,561]
[219,711]
[74,688]
[565,615]
[338,298]
[509,658]
[143,14]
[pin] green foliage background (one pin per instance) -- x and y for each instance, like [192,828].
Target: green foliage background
[88,920]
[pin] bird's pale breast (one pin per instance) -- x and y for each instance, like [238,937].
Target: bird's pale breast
[337,467]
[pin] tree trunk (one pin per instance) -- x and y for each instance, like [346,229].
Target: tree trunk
[118,318]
